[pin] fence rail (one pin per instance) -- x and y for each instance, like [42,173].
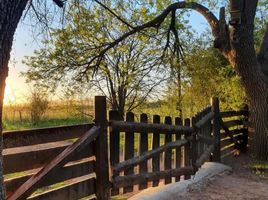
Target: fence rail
[72,162]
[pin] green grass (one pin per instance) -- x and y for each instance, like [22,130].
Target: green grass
[26,124]
[258,165]
[119,198]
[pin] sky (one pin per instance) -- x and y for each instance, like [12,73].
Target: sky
[24,44]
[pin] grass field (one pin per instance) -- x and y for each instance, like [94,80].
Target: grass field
[18,117]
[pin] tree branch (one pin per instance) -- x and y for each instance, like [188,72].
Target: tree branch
[157,21]
[59,3]
[114,14]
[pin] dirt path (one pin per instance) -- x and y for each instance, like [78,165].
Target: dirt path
[242,184]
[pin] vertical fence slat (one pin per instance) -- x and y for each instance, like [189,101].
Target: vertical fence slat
[143,147]
[114,146]
[194,145]
[178,121]
[102,166]
[209,130]
[168,153]
[216,130]
[203,132]
[129,149]
[156,143]
[187,150]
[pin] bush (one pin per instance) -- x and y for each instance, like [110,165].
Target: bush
[38,104]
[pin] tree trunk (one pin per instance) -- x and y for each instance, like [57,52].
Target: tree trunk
[259,116]
[237,45]
[11,12]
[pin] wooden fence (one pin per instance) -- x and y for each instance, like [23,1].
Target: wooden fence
[73,162]
[26,152]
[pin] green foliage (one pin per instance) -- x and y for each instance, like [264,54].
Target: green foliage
[204,73]
[38,101]
[127,74]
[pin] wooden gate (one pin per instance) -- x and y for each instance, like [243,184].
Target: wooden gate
[161,153]
[81,166]
[97,161]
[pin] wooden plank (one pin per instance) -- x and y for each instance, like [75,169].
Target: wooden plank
[150,128]
[35,156]
[168,152]
[73,190]
[43,135]
[122,181]
[234,113]
[178,121]
[233,123]
[147,155]
[101,148]
[236,131]
[201,132]
[226,141]
[33,183]
[143,147]
[70,170]
[114,146]
[156,143]
[129,150]
[186,152]
[193,149]
[216,130]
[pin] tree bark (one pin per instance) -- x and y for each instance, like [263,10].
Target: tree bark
[11,12]
[242,56]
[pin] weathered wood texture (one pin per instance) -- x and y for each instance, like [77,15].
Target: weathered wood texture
[178,159]
[129,150]
[168,152]
[71,170]
[143,147]
[156,143]
[75,189]
[187,159]
[122,181]
[101,148]
[36,156]
[216,130]
[39,150]
[58,162]
[43,135]
[150,128]
[234,135]
[114,146]
[147,155]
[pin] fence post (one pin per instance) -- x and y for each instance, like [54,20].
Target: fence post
[102,164]
[216,130]
[194,152]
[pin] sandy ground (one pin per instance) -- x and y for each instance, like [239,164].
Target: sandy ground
[242,184]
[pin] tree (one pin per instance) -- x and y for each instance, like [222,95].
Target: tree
[10,15]
[236,44]
[38,102]
[127,75]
